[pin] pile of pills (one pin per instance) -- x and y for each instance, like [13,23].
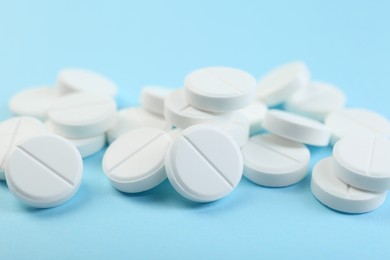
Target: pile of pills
[204,137]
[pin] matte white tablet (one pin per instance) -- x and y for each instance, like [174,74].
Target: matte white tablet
[14,130]
[132,118]
[363,162]
[296,128]
[181,114]
[255,113]
[204,164]
[152,99]
[44,171]
[279,84]
[337,195]
[33,102]
[81,115]
[82,80]
[316,100]
[220,89]
[274,161]
[135,161]
[356,121]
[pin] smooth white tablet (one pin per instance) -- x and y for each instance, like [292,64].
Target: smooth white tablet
[152,99]
[255,113]
[33,102]
[337,195]
[181,114]
[363,162]
[132,118]
[316,100]
[44,171]
[220,89]
[279,84]
[274,161]
[296,128]
[86,146]
[135,161]
[238,129]
[204,164]
[355,121]
[14,130]
[82,80]
[81,115]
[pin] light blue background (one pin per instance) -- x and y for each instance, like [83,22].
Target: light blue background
[159,42]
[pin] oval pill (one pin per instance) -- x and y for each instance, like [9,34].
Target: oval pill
[44,171]
[363,162]
[204,164]
[274,161]
[219,89]
[337,195]
[135,161]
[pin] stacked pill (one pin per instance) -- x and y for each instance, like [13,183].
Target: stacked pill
[221,125]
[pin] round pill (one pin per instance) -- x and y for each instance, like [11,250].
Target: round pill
[81,115]
[33,102]
[355,121]
[204,164]
[274,161]
[82,80]
[132,118]
[335,194]
[152,99]
[279,84]
[181,114]
[44,171]
[296,128]
[86,146]
[363,162]
[14,130]
[220,89]
[316,101]
[255,113]
[135,161]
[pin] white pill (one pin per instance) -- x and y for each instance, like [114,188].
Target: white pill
[274,161]
[135,161]
[14,130]
[204,164]
[132,118]
[82,80]
[181,114]
[335,194]
[296,128]
[220,89]
[152,99]
[355,121]
[316,100]
[33,102]
[238,129]
[363,162]
[255,113]
[81,115]
[44,171]
[279,84]
[86,146]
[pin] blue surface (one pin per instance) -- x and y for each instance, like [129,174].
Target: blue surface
[159,42]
